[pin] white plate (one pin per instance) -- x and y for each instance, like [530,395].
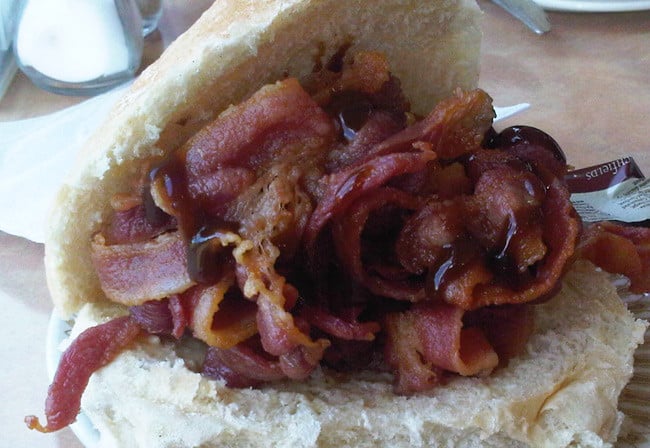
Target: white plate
[595,5]
[635,400]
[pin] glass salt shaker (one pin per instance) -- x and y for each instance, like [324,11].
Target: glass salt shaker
[150,11]
[78,47]
[7,63]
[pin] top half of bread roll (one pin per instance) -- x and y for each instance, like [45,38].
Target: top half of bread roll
[231,51]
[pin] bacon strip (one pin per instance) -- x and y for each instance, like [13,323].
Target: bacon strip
[427,234]
[347,233]
[534,146]
[241,366]
[300,362]
[134,273]
[91,350]
[507,242]
[274,115]
[154,316]
[344,187]
[180,320]
[430,338]
[561,228]
[507,328]
[249,134]
[456,126]
[279,333]
[165,317]
[216,323]
[403,354]
[132,225]
[339,327]
[378,126]
[619,249]
[366,73]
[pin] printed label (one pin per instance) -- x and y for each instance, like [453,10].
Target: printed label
[615,190]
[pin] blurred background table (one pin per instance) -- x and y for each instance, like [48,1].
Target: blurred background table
[588,83]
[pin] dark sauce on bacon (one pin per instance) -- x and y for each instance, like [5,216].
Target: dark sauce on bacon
[514,136]
[456,257]
[351,113]
[171,173]
[207,258]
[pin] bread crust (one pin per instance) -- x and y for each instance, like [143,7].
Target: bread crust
[234,48]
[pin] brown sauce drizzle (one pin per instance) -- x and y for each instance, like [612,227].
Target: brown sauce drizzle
[172,174]
[351,112]
[457,256]
[208,259]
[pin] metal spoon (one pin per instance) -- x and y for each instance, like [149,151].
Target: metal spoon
[529,12]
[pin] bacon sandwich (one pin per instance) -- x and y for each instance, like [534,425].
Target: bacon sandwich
[299,228]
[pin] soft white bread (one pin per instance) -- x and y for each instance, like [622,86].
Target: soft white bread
[236,47]
[562,391]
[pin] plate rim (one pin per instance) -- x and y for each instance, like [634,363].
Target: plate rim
[595,5]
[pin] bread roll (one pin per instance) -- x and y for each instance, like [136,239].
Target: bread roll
[562,391]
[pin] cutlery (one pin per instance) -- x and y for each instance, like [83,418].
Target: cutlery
[529,12]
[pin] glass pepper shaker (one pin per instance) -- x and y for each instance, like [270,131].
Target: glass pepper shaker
[78,47]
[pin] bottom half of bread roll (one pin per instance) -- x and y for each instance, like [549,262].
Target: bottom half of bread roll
[562,391]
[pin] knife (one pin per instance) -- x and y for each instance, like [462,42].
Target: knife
[529,12]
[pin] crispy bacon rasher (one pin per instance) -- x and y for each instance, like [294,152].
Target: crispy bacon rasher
[619,249]
[91,350]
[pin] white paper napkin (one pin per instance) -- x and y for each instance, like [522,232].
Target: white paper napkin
[35,156]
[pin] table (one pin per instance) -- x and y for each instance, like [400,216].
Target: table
[587,81]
